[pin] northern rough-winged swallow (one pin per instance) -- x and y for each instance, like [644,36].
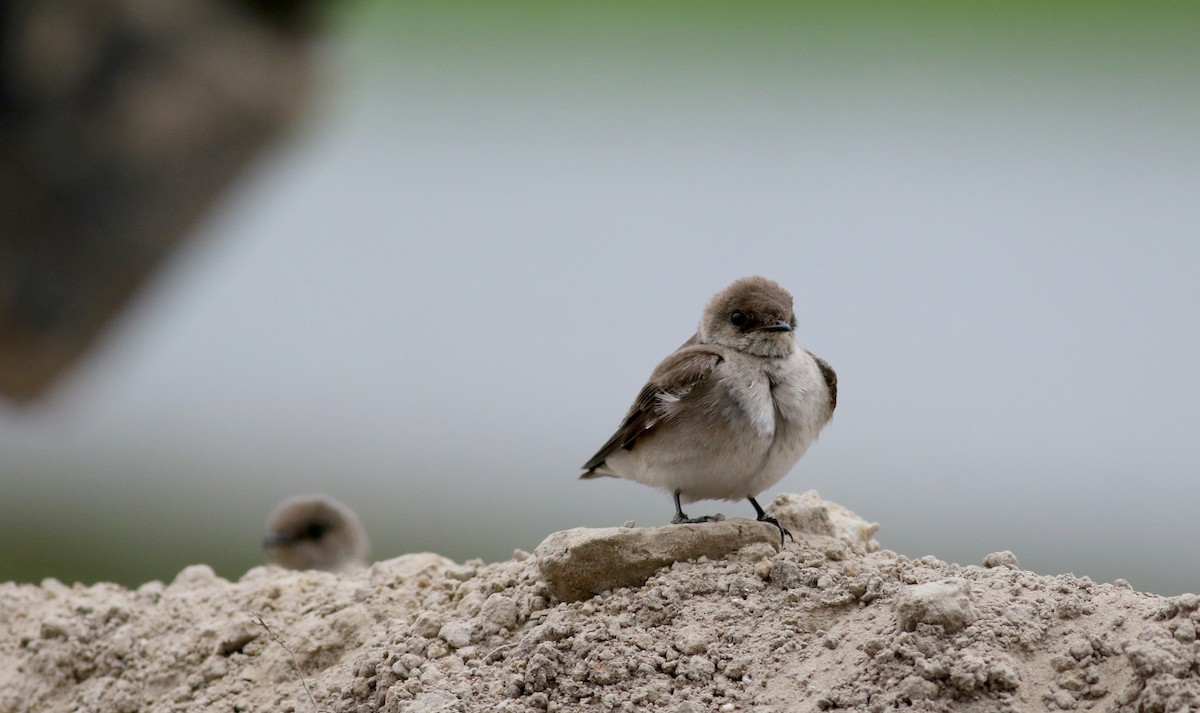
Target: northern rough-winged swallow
[729,413]
[315,532]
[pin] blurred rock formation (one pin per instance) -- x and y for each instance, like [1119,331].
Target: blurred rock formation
[120,122]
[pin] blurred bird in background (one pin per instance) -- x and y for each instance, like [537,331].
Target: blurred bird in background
[316,532]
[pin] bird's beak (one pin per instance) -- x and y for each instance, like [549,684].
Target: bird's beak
[276,539]
[777,327]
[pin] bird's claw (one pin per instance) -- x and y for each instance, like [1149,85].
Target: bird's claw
[783,531]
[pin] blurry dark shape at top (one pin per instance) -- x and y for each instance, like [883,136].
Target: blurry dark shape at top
[285,14]
[120,123]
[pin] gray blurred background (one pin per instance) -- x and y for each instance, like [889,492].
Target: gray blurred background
[437,298]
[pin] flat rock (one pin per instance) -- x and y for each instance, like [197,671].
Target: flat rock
[580,563]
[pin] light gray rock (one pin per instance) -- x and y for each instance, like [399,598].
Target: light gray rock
[807,513]
[498,612]
[692,640]
[435,702]
[428,625]
[1004,558]
[583,562]
[456,633]
[947,603]
[407,566]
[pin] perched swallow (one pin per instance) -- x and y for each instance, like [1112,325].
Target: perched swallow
[729,413]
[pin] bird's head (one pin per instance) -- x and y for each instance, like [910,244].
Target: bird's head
[753,315]
[315,532]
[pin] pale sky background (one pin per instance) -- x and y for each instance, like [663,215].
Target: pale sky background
[438,296]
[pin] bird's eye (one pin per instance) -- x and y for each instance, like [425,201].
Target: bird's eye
[315,531]
[738,319]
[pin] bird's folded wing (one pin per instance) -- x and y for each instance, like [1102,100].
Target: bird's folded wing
[830,377]
[672,380]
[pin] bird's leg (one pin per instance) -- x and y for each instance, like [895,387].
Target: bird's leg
[680,518]
[764,517]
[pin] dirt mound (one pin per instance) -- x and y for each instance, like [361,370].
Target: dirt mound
[826,622]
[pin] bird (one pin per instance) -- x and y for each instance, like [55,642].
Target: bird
[315,532]
[730,412]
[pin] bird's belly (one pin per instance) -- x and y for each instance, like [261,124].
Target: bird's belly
[731,444]
[717,469]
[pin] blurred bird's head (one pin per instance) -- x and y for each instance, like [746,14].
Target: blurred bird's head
[315,532]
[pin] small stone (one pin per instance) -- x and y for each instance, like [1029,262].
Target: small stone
[630,524]
[498,612]
[151,590]
[1151,658]
[468,653]
[236,636]
[1079,648]
[428,625]
[197,575]
[691,640]
[456,633]
[754,552]
[434,702]
[789,575]
[461,572]
[1064,700]
[55,628]
[762,569]
[1185,632]
[437,649]
[1004,558]
[409,662]
[915,688]
[53,586]
[696,668]
[737,667]
[947,603]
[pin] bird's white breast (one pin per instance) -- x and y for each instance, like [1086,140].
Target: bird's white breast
[778,393]
[787,402]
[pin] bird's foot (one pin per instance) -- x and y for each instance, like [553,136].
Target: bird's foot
[764,517]
[783,531]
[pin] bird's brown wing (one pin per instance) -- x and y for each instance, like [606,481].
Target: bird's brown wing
[830,380]
[678,374]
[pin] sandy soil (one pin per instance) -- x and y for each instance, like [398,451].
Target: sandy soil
[710,617]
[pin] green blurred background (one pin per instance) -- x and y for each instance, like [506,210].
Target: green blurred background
[438,296]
